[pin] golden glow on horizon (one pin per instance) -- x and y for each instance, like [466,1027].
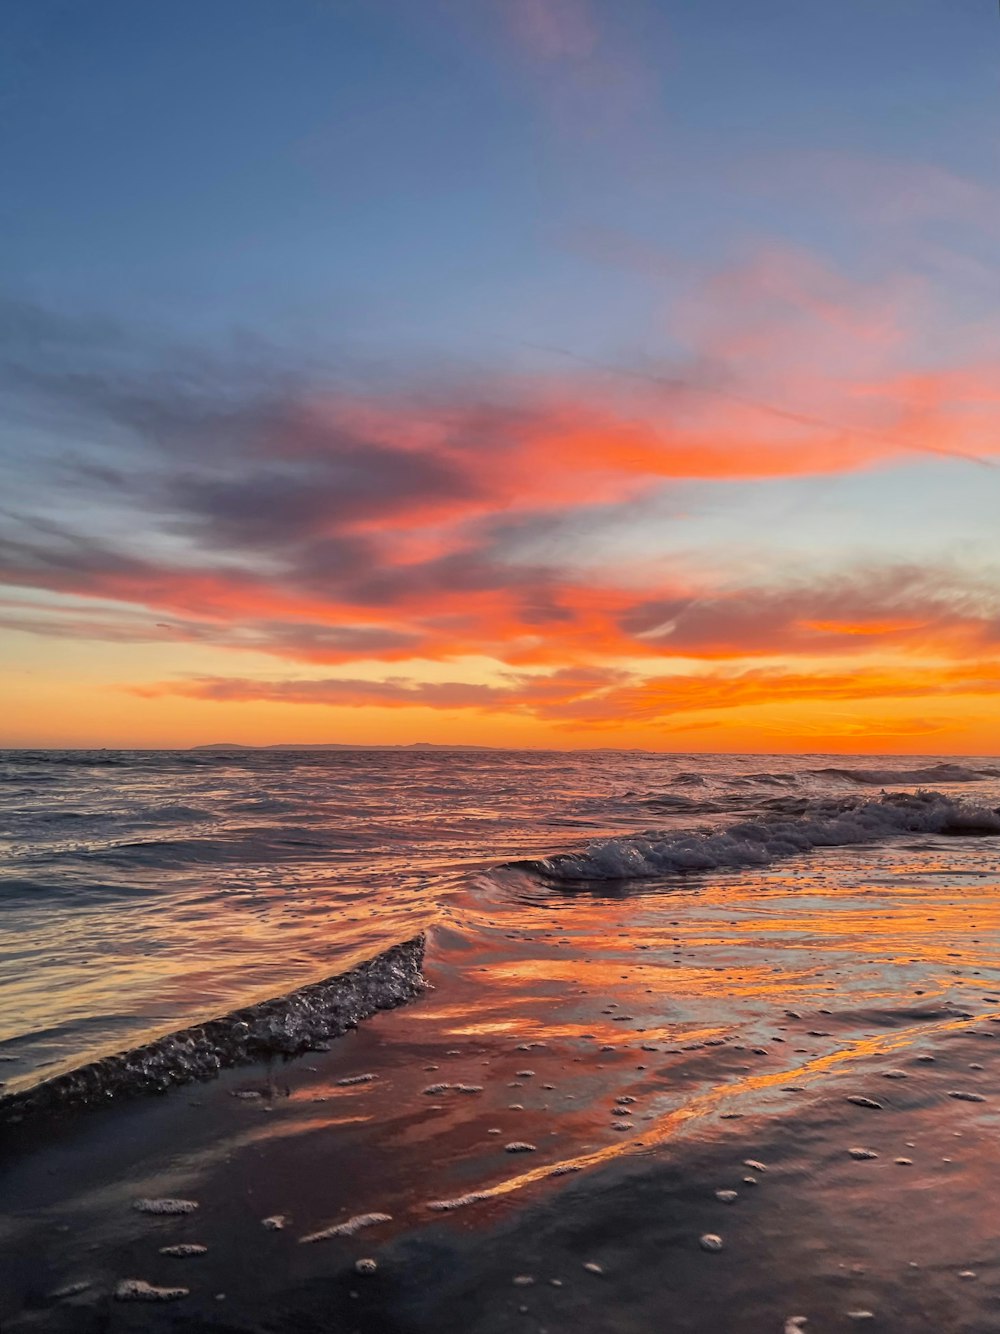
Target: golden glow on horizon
[67,710]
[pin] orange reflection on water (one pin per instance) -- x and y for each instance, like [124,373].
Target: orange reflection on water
[698,1110]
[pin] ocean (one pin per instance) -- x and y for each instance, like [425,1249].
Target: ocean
[545,966]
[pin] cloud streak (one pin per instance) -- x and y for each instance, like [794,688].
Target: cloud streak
[596,699]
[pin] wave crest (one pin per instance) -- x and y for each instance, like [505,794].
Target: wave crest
[283,1026]
[750,843]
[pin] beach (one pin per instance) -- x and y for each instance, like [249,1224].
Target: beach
[499,662]
[739,1094]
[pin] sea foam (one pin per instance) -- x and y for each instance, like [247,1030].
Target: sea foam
[752,843]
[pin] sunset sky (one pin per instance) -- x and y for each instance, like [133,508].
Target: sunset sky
[549,373]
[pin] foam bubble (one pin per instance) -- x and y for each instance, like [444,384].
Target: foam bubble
[348,1228]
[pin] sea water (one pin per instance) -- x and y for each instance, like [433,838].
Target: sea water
[147,891]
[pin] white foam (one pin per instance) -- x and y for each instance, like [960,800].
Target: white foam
[460,1201]
[348,1228]
[165,1206]
[757,842]
[138,1290]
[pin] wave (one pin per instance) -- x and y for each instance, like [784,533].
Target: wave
[831,823]
[669,801]
[40,888]
[284,1026]
[240,846]
[86,759]
[932,773]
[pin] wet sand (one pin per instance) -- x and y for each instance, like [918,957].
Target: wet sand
[749,1020]
[817,1233]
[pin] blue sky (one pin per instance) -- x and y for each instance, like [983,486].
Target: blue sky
[416,175]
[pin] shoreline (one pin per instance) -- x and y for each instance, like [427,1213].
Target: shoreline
[397,1116]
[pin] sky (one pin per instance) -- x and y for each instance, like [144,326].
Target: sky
[548,373]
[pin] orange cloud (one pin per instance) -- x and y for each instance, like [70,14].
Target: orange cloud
[607,698]
[479,602]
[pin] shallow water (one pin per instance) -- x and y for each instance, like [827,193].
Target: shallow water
[145,891]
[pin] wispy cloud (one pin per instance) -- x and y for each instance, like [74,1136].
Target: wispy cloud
[590,75]
[573,699]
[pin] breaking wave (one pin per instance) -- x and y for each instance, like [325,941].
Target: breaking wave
[285,1026]
[749,843]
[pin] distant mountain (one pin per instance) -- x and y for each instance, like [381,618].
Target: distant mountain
[337,745]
